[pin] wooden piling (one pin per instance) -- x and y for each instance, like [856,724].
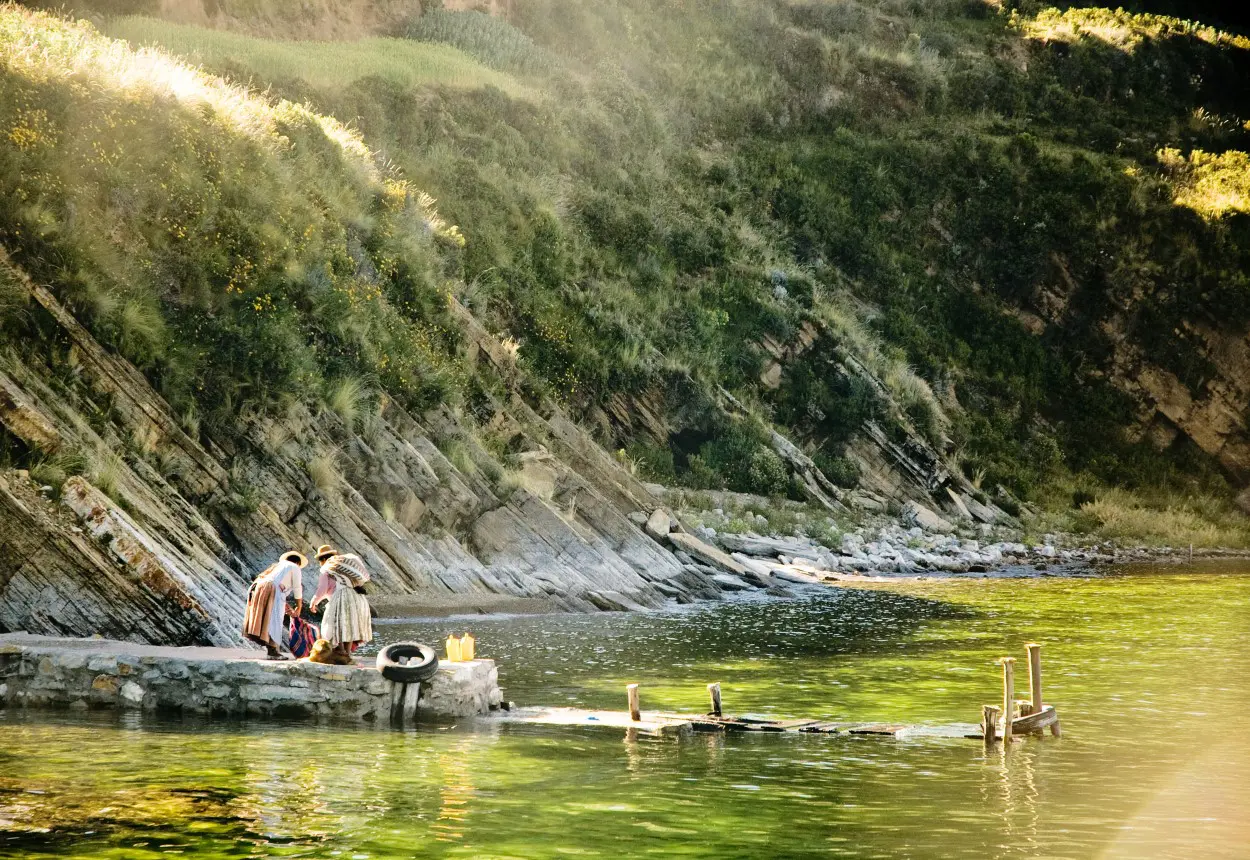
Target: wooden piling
[713,692]
[412,694]
[635,711]
[397,703]
[989,723]
[404,698]
[1035,675]
[1009,695]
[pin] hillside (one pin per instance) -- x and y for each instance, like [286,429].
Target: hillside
[407,290]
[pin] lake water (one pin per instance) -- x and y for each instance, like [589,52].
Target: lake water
[1148,670]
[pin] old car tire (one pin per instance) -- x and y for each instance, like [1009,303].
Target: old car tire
[421,666]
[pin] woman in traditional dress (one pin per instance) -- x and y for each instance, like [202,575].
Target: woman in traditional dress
[266,602]
[345,623]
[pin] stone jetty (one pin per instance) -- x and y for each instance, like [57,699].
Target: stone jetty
[80,674]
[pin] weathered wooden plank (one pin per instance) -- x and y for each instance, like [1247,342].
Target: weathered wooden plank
[795,725]
[1009,695]
[713,692]
[1035,722]
[989,723]
[825,728]
[1035,675]
[877,729]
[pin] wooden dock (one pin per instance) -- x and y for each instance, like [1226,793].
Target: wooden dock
[667,724]
[1027,716]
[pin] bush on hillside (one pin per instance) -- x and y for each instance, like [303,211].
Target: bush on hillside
[491,40]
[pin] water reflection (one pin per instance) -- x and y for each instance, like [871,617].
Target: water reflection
[1146,671]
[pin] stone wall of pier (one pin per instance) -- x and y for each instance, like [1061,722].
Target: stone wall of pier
[81,674]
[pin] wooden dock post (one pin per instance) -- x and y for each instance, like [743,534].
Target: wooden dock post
[635,711]
[713,691]
[1009,695]
[989,723]
[1035,675]
[404,698]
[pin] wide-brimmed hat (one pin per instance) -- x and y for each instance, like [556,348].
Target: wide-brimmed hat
[325,551]
[296,557]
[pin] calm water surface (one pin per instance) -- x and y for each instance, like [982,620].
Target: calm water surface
[1148,670]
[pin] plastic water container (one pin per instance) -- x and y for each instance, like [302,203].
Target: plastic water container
[467,643]
[453,649]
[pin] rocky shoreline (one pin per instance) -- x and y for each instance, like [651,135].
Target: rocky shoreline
[885,551]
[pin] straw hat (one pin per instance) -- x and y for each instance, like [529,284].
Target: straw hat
[325,551]
[296,557]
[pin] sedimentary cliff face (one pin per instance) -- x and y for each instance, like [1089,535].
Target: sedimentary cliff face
[1216,417]
[1213,411]
[160,535]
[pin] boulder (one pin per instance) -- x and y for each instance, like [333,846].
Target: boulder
[659,524]
[988,514]
[960,508]
[788,574]
[917,514]
[706,553]
[754,565]
[729,582]
[765,547]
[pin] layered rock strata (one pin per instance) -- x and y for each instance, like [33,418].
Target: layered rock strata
[158,532]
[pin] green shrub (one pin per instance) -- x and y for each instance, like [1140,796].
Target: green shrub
[489,39]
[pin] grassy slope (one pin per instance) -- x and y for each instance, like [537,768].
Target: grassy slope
[240,250]
[693,178]
[320,64]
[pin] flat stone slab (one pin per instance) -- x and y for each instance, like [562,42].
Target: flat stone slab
[41,671]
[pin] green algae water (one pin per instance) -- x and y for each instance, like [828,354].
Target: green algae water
[1147,668]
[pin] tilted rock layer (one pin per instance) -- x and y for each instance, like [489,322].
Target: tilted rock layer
[160,536]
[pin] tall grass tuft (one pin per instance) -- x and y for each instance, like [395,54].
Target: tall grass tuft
[323,470]
[348,397]
[105,472]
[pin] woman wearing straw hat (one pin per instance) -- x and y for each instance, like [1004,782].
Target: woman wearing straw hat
[345,623]
[266,602]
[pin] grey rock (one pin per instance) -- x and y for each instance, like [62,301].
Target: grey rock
[753,565]
[729,582]
[918,515]
[612,601]
[659,524]
[796,576]
[706,553]
[763,547]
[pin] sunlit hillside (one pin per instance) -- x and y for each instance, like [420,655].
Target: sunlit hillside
[321,64]
[1015,235]
[239,248]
